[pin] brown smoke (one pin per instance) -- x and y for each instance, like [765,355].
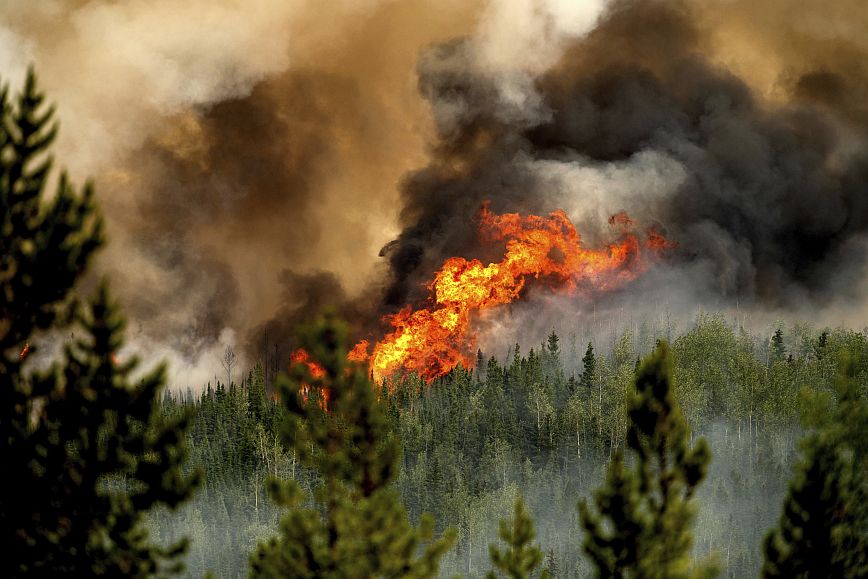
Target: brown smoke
[253,158]
[231,160]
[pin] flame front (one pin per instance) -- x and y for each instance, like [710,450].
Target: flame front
[431,341]
[316,372]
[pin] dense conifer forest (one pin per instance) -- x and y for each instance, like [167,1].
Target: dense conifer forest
[542,424]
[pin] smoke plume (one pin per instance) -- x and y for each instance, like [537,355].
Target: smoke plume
[259,160]
[760,181]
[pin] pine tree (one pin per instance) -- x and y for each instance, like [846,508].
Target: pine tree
[86,450]
[776,347]
[552,345]
[589,368]
[641,524]
[823,530]
[256,402]
[358,526]
[521,558]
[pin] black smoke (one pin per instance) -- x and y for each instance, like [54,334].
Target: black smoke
[775,198]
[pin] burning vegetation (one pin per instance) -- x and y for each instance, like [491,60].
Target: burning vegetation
[433,339]
[316,372]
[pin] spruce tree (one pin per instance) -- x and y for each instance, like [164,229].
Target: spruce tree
[256,400]
[823,530]
[589,367]
[640,525]
[552,344]
[777,350]
[521,558]
[552,564]
[86,449]
[357,525]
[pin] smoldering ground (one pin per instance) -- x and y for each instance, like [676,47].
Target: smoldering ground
[252,174]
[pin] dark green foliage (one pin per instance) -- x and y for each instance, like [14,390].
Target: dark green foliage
[256,403]
[552,564]
[521,557]
[641,526]
[823,530]
[552,344]
[359,527]
[777,350]
[85,447]
[822,343]
[44,245]
[589,367]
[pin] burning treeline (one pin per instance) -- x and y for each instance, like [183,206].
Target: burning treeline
[433,339]
[762,183]
[765,189]
[740,125]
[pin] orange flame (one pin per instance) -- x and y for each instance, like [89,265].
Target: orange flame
[359,353]
[24,351]
[432,340]
[316,372]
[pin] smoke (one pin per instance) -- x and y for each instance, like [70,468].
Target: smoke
[255,159]
[758,172]
[235,146]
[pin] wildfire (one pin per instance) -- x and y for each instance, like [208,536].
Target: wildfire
[359,353]
[432,340]
[316,372]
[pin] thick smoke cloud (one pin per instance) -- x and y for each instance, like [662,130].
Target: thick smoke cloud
[252,159]
[235,146]
[764,192]
[232,185]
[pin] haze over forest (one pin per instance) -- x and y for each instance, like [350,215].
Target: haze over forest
[487,260]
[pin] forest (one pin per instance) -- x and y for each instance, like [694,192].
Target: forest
[543,424]
[712,449]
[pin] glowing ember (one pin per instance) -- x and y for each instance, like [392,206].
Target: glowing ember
[316,372]
[431,341]
[24,351]
[302,357]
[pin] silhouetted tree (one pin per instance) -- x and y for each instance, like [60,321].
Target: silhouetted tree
[228,361]
[823,530]
[85,448]
[777,350]
[589,367]
[822,342]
